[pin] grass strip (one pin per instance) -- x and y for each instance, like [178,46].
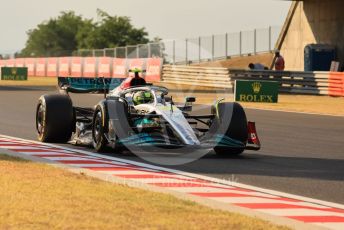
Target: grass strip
[38,196]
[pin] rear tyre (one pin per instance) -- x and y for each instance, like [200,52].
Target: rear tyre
[236,129]
[98,134]
[54,118]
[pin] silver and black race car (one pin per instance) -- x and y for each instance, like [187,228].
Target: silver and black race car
[141,116]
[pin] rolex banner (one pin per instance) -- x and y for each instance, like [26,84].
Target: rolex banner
[256,91]
[14,73]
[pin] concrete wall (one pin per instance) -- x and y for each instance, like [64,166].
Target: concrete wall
[314,21]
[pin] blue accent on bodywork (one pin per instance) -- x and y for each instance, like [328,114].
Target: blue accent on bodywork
[142,122]
[92,83]
[145,139]
[226,141]
[223,141]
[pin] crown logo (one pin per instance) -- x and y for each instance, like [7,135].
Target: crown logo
[14,71]
[256,87]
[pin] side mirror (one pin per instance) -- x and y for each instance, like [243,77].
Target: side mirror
[188,104]
[190,99]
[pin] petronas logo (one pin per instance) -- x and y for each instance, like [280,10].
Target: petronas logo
[256,87]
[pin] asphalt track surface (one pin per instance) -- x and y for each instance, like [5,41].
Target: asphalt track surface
[302,154]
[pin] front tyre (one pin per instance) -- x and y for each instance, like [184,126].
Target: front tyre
[54,118]
[234,129]
[98,134]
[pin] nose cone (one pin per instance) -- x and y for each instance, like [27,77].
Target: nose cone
[180,125]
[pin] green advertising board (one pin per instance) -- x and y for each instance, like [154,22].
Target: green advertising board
[256,91]
[14,73]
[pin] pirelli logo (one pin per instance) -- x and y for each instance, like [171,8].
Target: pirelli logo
[256,91]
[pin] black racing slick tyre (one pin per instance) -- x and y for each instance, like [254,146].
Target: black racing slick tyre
[232,122]
[98,130]
[54,118]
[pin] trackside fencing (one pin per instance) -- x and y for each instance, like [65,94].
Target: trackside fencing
[313,83]
[197,49]
[86,67]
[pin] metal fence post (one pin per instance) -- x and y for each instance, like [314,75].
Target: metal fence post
[186,51]
[270,35]
[255,42]
[138,51]
[93,53]
[126,52]
[104,52]
[149,51]
[174,52]
[199,49]
[226,44]
[115,52]
[213,47]
[240,43]
[161,49]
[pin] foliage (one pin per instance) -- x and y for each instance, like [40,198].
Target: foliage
[69,32]
[112,31]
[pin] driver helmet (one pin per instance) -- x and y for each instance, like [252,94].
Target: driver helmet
[143,97]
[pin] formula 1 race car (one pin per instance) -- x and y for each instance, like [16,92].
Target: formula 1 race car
[141,115]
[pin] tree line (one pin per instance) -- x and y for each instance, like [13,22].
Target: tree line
[70,32]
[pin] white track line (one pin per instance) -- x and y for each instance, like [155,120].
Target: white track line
[94,165]
[298,212]
[334,226]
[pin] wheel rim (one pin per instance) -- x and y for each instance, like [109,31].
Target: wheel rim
[40,119]
[97,128]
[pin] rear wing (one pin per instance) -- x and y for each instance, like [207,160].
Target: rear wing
[88,85]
